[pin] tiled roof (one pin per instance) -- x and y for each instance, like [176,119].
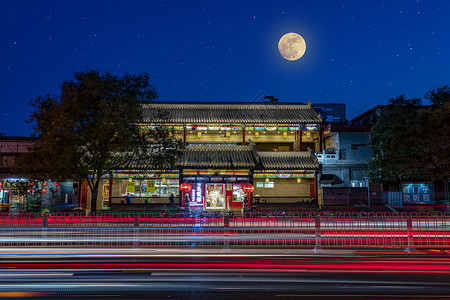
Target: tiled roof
[288,161]
[231,113]
[236,157]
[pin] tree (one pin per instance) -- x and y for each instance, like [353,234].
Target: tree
[439,96]
[411,141]
[94,127]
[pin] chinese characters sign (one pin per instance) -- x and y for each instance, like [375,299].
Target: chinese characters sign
[14,185]
[197,195]
[417,193]
[130,186]
[151,186]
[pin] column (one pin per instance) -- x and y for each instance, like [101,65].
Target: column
[299,137]
[110,188]
[320,141]
[250,180]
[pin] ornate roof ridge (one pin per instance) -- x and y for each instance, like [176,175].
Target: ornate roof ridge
[284,153]
[229,105]
[218,148]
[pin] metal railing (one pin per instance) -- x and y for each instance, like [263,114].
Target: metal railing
[221,229]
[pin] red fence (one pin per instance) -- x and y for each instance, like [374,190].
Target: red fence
[268,229]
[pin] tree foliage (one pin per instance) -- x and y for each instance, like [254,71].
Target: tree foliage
[439,96]
[92,127]
[411,141]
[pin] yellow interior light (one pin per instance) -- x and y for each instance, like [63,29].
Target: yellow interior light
[199,134]
[299,180]
[256,134]
[267,179]
[285,134]
[228,134]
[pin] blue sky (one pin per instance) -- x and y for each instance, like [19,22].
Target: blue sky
[360,53]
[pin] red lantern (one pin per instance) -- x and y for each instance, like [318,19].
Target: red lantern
[185,187]
[248,188]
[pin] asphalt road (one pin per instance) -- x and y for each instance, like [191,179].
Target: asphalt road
[222,273]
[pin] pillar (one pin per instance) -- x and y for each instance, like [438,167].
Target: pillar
[320,150]
[184,135]
[299,137]
[110,188]
[250,180]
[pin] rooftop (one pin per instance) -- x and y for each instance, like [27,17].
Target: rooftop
[236,113]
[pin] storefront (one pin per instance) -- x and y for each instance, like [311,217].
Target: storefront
[143,187]
[284,186]
[217,179]
[13,194]
[216,189]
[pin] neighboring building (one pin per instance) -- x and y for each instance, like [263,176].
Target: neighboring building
[331,112]
[20,192]
[368,117]
[227,146]
[344,159]
[406,195]
[14,183]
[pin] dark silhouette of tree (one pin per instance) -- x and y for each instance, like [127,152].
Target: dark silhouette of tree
[411,141]
[271,99]
[94,127]
[439,96]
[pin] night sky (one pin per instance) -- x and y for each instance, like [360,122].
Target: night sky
[360,53]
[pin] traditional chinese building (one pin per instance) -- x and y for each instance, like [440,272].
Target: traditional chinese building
[269,146]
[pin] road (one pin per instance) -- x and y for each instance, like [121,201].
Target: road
[222,273]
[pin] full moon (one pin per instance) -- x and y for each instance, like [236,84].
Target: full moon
[292,46]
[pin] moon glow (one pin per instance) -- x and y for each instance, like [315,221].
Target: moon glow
[292,46]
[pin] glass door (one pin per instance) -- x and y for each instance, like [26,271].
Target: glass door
[215,196]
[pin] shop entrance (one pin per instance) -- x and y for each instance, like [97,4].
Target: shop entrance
[215,196]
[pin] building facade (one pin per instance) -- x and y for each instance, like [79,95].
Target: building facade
[19,192]
[228,146]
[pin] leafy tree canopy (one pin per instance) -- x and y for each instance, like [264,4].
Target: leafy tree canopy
[411,141]
[439,96]
[92,127]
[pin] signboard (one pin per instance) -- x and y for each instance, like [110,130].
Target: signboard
[130,186]
[417,193]
[196,195]
[151,186]
[15,185]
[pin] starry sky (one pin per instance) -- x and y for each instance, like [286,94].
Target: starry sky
[360,53]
